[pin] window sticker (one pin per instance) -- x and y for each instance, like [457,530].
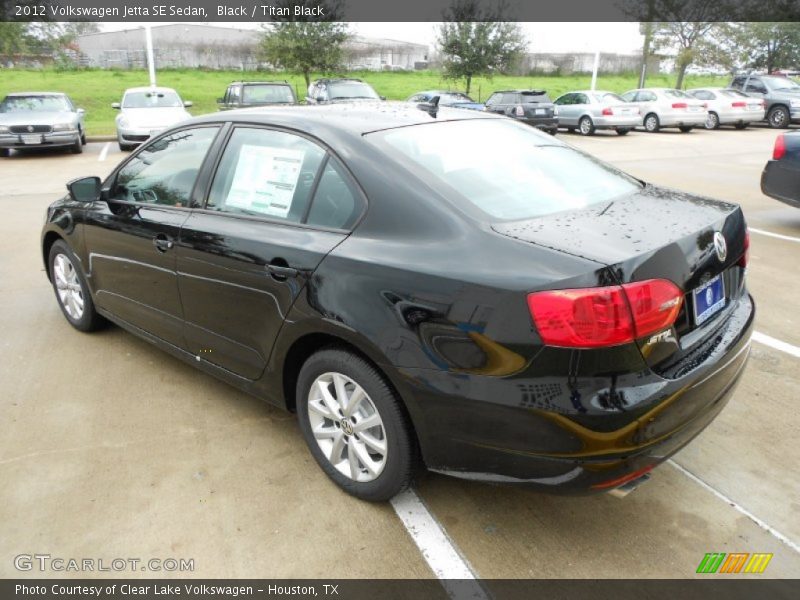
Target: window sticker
[265,180]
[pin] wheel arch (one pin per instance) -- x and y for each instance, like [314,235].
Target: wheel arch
[49,238]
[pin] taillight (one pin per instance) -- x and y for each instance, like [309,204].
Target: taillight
[680,105]
[780,148]
[705,105]
[746,254]
[608,112]
[604,316]
[763,104]
[739,104]
[519,111]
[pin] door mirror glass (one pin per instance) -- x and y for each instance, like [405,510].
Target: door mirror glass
[115,105]
[80,111]
[85,189]
[188,103]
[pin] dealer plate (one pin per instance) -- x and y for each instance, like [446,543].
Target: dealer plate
[708,299]
[31,139]
[541,111]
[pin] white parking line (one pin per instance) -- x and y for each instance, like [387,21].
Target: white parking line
[763,338]
[104,152]
[768,528]
[437,548]
[787,238]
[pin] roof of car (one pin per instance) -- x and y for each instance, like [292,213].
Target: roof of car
[440,92]
[335,79]
[13,94]
[536,92]
[148,88]
[592,92]
[356,118]
[259,83]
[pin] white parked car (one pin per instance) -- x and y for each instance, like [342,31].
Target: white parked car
[145,112]
[588,110]
[729,107]
[666,107]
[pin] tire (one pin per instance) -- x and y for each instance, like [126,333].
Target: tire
[623,131]
[586,126]
[741,125]
[685,128]
[63,272]
[389,473]
[83,137]
[570,130]
[651,123]
[77,147]
[712,122]
[778,117]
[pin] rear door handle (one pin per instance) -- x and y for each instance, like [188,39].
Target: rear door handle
[281,272]
[163,242]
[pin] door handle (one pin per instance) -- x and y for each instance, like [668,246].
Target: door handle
[281,272]
[163,242]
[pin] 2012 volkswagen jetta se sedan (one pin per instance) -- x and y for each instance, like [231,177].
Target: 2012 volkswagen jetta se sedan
[435,288]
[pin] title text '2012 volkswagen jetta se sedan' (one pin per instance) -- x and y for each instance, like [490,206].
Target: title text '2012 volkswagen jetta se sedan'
[523,315]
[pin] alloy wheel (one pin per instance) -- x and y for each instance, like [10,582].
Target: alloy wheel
[712,121]
[651,123]
[586,126]
[347,426]
[70,293]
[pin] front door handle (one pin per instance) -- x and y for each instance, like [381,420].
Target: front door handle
[163,242]
[281,272]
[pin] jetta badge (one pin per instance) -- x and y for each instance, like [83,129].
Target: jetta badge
[30,128]
[720,246]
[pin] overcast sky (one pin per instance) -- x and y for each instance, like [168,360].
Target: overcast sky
[622,38]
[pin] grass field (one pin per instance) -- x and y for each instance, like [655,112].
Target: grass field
[95,90]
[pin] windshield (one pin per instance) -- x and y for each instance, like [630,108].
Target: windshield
[781,83]
[608,97]
[351,89]
[35,104]
[157,99]
[267,94]
[447,99]
[526,174]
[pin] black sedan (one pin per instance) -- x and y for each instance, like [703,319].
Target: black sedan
[524,316]
[781,176]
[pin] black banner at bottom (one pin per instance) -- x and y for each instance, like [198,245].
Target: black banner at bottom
[378,589]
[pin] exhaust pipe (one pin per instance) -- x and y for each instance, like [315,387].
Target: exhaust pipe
[627,488]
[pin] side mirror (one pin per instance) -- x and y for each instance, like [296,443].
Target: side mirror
[80,111]
[115,105]
[85,189]
[220,100]
[188,103]
[383,97]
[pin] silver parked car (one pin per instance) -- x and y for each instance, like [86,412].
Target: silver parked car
[145,112]
[588,110]
[666,107]
[729,107]
[36,119]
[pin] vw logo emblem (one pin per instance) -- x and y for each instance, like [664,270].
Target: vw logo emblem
[347,427]
[720,246]
[30,128]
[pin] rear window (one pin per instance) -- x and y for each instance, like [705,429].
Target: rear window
[534,97]
[609,98]
[675,94]
[734,94]
[527,174]
[257,94]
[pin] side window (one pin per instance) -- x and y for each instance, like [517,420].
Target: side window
[336,204]
[164,171]
[493,99]
[236,93]
[646,97]
[581,99]
[266,173]
[754,85]
[629,96]
[565,100]
[738,82]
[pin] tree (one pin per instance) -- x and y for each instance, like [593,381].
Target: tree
[304,46]
[764,45]
[474,41]
[693,41]
[13,38]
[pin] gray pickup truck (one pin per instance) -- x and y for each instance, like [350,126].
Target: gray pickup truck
[781,95]
[247,94]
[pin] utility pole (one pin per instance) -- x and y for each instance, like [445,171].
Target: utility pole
[151,63]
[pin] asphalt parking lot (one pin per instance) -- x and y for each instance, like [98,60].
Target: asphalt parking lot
[113,449]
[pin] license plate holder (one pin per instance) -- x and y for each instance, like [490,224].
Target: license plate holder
[541,111]
[31,139]
[708,299]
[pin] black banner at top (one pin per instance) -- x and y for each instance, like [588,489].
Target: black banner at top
[399,10]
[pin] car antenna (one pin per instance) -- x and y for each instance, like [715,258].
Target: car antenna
[431,106]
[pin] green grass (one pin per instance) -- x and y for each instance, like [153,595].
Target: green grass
[95,90]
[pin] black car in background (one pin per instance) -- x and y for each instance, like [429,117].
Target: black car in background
[533,107]
[781,176]
[326,91]
[247,94]
[415,299]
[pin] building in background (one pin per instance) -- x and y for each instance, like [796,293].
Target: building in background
[212,47]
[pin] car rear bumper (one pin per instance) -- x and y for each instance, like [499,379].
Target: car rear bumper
[580,436]
[744,116]
[614,122]
[779,180]
[683,119]
[60,138]
[545,123]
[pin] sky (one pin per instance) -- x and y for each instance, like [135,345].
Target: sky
[622,38]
